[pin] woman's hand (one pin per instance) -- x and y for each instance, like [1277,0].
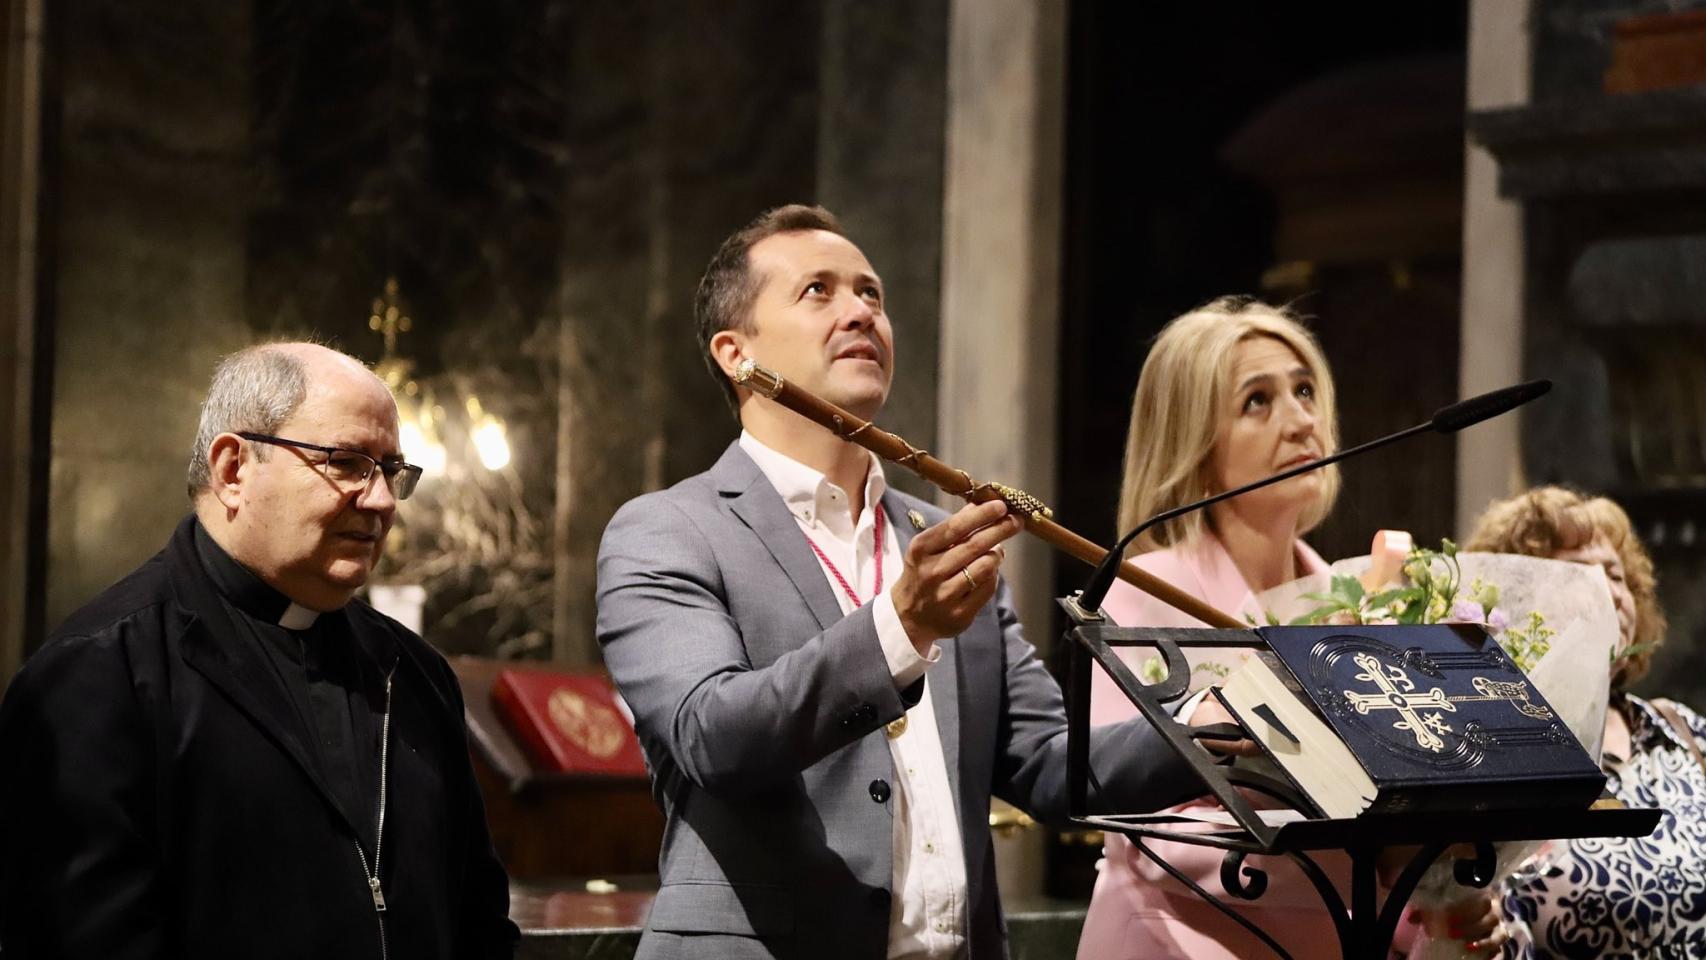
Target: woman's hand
[1210,711]
[1474,920]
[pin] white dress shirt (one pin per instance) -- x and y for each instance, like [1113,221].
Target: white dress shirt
[927,914]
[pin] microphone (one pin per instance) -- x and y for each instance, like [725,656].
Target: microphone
[1448,419]
[1465,413]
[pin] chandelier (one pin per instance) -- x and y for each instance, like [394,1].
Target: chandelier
[422,421]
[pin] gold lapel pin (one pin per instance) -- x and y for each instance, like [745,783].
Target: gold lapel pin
[916,518]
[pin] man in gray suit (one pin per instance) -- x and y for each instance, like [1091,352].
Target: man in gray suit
[827,675]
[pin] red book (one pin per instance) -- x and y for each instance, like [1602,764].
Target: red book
[568,722]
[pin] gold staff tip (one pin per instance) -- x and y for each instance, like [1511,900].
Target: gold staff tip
[758,379]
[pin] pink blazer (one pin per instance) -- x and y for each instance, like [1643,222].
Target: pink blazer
[1137,910]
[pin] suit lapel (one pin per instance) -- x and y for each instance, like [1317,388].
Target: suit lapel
[255,692]
[944,675]
[760,507]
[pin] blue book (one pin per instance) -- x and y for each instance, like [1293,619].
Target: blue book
[1434,717]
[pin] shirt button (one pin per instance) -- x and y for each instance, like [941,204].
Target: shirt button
[941,926]
[880,791]
[929,848]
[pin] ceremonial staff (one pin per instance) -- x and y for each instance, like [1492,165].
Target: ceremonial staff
[1036,516]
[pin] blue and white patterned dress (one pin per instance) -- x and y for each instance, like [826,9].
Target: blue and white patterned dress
[1615,897]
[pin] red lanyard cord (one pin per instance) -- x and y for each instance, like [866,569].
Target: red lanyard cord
[877,545]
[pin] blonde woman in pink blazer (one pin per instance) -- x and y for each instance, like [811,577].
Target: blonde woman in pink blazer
[1231,392]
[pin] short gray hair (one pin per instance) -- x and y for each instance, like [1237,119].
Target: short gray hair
[255,389]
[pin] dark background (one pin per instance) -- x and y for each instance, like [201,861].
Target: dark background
[1161,215]
[1158,221]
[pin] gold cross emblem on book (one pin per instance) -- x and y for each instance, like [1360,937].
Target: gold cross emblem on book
[1419,713]
[1397,692]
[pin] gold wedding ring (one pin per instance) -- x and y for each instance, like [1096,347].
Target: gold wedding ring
[969,578]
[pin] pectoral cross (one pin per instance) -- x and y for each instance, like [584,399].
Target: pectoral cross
[1397,693]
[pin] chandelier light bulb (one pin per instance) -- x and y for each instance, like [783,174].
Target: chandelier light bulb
[421,449]
[492,445]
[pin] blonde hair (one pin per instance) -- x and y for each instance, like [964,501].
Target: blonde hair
[1547,521]
[1177,409]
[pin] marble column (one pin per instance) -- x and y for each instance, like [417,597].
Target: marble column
[1001,261]
[147,268]
[20,145]
[688,120]
[1489,457]
[1001,224]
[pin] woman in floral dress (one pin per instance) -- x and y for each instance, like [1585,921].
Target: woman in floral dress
[1613,897]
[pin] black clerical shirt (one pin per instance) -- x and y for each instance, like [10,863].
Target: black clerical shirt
[339,692]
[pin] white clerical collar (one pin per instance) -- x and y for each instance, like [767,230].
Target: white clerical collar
[297,617]
[809,495]
[246,590]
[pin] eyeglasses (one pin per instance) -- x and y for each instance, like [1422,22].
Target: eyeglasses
[351,469]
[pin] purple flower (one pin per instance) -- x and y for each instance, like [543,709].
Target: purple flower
[1497,621]
[1466,611]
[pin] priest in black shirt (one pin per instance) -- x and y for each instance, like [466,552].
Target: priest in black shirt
[224,754]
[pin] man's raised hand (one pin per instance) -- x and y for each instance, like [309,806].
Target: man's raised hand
[950,572]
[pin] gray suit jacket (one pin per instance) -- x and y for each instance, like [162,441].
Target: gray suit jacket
[761,709]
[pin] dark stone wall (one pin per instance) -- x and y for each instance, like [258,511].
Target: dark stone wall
[1391,340]
[707,118]
[720,113]
[1612,266]
[144,260]
[881,152]
[22,377]
[1572,41]
[1185,183]
[545,181]
[1627,415]
[430,144]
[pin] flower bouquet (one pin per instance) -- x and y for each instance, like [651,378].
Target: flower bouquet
[1555,619]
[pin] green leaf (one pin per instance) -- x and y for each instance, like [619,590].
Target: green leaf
[1348,591]
[1387,598]
[1153,670]
[1632,650]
